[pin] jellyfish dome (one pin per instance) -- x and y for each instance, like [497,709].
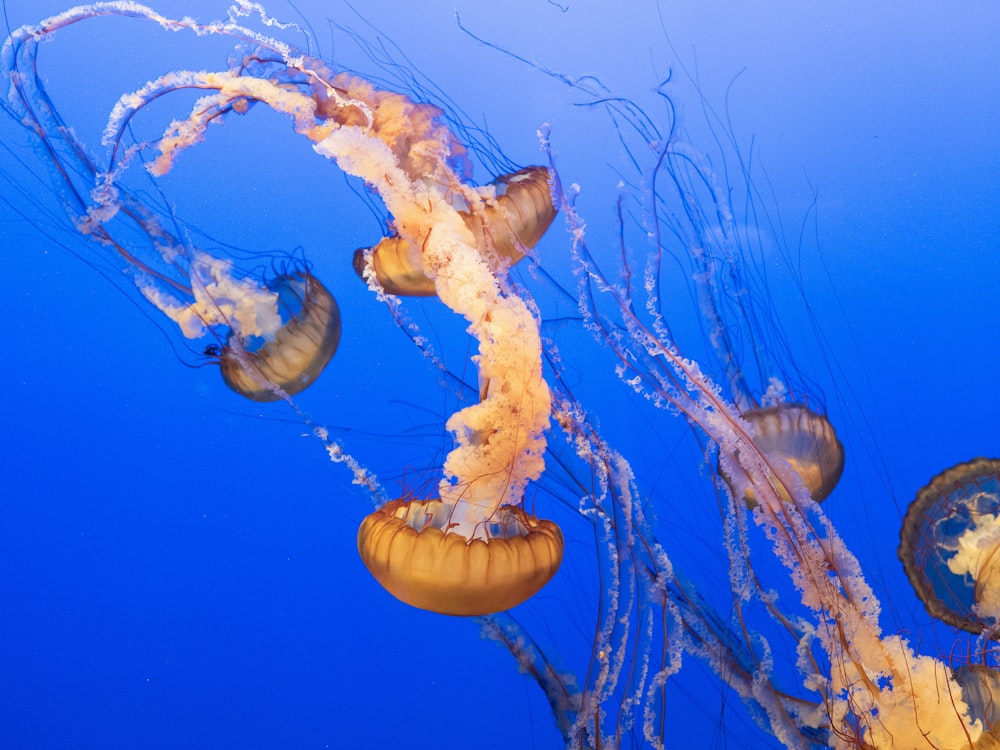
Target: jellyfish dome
[406,547]
[803,438]
[517,213]
[299,350]
[950,545]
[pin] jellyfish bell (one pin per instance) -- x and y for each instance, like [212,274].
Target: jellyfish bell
[412,551]
[396,267]
[950,546]
[805,440]
[515,213]
[292,358]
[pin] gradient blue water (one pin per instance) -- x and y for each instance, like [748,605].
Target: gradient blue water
[177,567]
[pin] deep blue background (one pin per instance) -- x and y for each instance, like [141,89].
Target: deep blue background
[178,567]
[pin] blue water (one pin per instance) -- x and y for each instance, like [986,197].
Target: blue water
[178,566]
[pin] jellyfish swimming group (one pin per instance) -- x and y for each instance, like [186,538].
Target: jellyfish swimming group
[482,544]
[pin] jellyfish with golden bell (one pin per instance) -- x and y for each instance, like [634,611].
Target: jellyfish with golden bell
[785,428]
[278,335]
[805,440]
[950,546]
[409,549]
[291,360]
[472,550]
[281,333]
[514,220]
[418,550]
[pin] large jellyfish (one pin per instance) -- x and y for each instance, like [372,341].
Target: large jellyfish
[950,545]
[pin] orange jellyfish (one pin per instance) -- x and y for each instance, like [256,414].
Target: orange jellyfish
[804,439]
[502,554]
[276,337]
[471,553]
[744,335]
[514,220]
[950,545]
[784,429]
[295,356]
[411,550]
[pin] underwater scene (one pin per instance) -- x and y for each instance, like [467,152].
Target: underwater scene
[500,375]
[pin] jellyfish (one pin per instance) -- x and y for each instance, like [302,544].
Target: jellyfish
[746,339]
[299,350]
[274,337]
[416,549]
[514,220]
[806,440]
[503,555]
[950,545]
[474,551]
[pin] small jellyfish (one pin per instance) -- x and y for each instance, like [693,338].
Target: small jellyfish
[743,332]
[803,438]
[950,545]
[279,334]
[516,213]
[295,356]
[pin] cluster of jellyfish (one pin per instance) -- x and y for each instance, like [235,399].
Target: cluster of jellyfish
[474,550]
